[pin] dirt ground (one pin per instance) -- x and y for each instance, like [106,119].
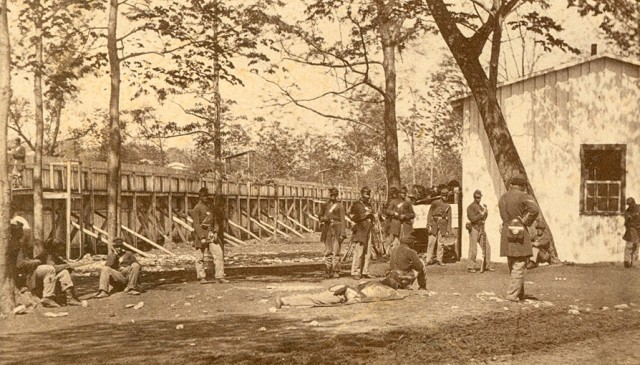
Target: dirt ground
[460,319]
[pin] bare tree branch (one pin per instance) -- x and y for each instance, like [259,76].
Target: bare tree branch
[297,102]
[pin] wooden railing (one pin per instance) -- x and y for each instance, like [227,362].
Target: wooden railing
[91,176]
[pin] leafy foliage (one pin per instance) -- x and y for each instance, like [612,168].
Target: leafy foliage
[69,55]
[618,20]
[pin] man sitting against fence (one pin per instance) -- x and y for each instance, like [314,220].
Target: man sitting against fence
[49,256]
[40,277]
[121,271]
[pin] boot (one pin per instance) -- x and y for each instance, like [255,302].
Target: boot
[328,274]
[72,300]
[49,303]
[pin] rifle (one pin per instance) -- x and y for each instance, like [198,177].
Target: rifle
[348,252]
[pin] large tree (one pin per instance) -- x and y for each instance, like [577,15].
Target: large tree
[215,35]
[486,20]
[126,48]
[7,266]
[56,40]
[362,58]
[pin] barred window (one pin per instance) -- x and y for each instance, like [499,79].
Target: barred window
[603,179]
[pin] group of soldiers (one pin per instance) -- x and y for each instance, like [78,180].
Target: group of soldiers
[518,211]
[47,276]
[520,235]
[396,220]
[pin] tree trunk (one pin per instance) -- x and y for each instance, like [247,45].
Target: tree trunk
[413,154]
[217,137]
[392,161]
[55,119]
[500,140]
[38,221]
[113,156]
[7,266]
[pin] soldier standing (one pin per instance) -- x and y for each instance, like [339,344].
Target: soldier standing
[477,214]
[206,238]
[439,224]
[518,210]
[400,213]
[361,213]
[333,233]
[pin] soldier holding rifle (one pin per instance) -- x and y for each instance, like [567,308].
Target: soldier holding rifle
[333,233]
[362,214]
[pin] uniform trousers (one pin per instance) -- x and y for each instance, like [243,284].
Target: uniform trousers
[47,274]
[361,258]
[215,250]
[478,238]
[125,276]
[517,268]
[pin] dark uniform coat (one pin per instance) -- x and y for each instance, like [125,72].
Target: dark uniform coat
[516,204]
[477,215]
[439,217]
[362,214]
[405,258]
[334,222]
[400,214]
[202,223]
[632,225]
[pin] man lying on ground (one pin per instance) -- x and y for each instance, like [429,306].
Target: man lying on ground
[371,291]
[120,271]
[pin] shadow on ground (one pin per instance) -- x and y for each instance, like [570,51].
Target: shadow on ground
[239,339]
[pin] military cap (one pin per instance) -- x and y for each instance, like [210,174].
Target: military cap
[203,191]
[333,191]
[403,189]
[518,180]
[444,192]
[393,190]
[477,193]
[365,190]
[118,242]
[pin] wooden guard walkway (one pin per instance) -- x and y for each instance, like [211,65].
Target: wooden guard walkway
[155,203]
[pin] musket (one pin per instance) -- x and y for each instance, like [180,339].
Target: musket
[348,252]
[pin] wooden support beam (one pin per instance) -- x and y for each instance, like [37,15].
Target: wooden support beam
[313,217]
[291,229]
[146,240]
[299,225]
[244,229]
[183,223]
[258,223]
[284,225]
[274,228]
[179,229]
[232,240]
[104,239]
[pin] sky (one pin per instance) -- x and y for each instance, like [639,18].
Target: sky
[256,98]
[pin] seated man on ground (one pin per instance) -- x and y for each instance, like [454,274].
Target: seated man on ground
[540,244]
[371,291]
[49,257]
[120,271]
[41,278]
[405,266]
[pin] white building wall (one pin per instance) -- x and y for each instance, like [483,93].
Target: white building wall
[550,116]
